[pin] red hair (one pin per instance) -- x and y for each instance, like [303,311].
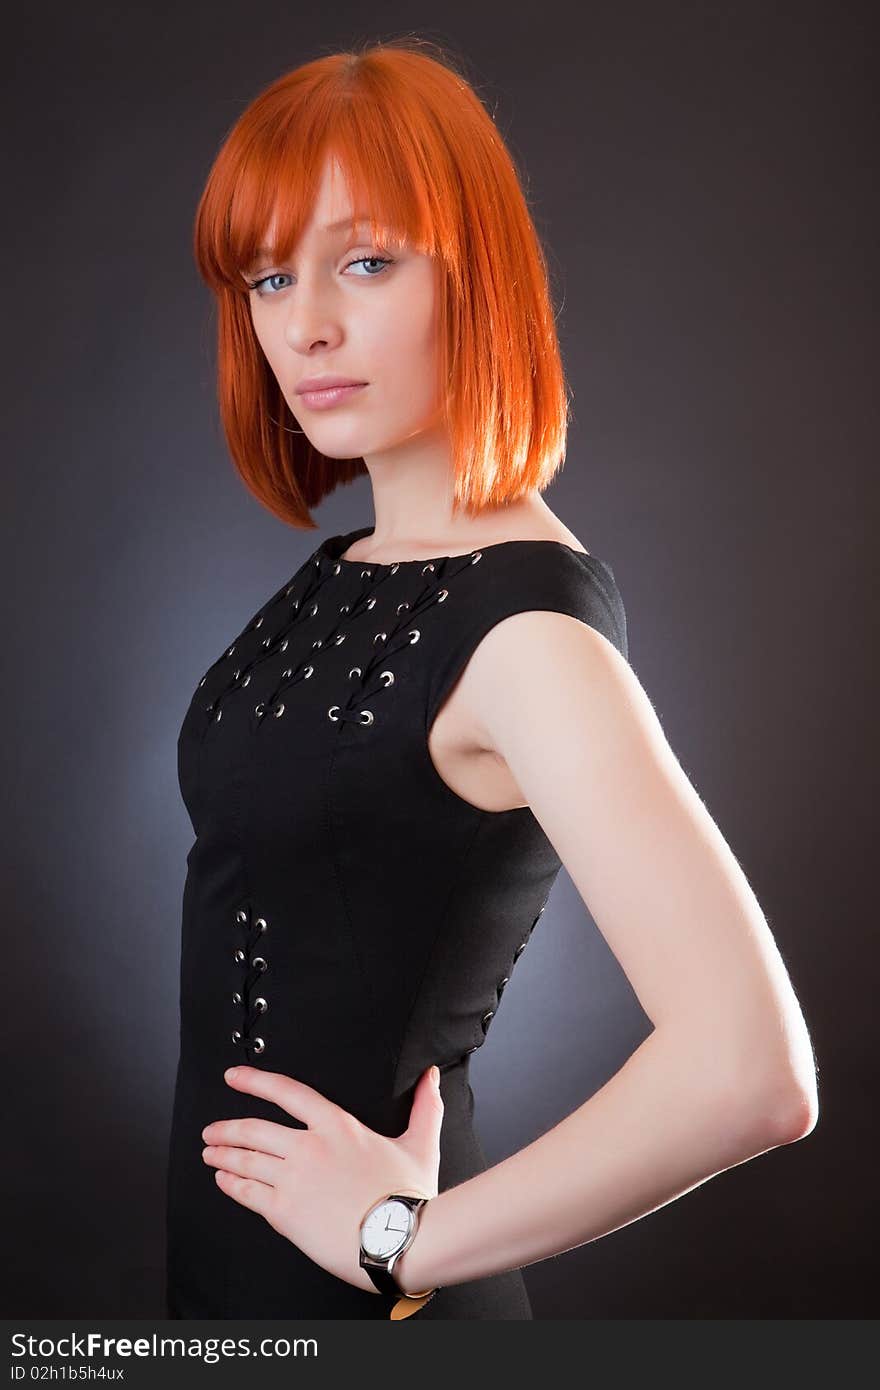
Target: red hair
[423,161]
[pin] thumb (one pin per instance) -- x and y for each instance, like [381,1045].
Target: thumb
[426,1116]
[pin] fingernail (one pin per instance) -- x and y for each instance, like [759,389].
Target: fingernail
[435,1075]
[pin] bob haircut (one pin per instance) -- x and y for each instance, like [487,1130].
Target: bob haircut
[424,162]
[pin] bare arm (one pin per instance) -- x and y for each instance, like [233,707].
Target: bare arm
[728,1072]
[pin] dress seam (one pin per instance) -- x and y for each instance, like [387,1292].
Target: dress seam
[443,918]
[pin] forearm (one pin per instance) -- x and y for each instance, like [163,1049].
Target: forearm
[661,1126]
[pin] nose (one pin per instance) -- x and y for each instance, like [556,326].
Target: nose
[311,321]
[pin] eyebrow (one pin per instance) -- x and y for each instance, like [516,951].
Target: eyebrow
[346,222]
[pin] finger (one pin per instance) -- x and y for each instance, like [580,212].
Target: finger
[251,1133]
[256,1196]
[299,1100]
[245,1163]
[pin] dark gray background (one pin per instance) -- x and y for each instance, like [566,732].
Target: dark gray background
[702,179]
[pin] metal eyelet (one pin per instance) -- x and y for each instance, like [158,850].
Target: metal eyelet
[236,673]
[246,680]
[318,642]
[278,710]
[519,950]
[371,603]
[236,1036]
[236,998]
[333,716]
[389,674]
[505,980]
[230,650]
[284,645]
[285,675]
[307,672]
[267,641]
[484,1021]
[366,716]
[260,1005]
[239,957]
[339,639]
[444,593]
[218,716]
[262,924]
[355,671]
[259,710]
[380,637]
[414,636]
[426,568]
[475,556]
[258,622]
[202,681]
[314,610]
[259,1045]
[241,916]
[402,607]
[262,963]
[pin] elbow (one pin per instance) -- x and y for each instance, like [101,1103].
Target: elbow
[781,1102]
[799,1117]
[766,1106]
[797,1088]
[783,1112]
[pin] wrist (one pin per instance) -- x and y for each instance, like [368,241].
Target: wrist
[412,1270]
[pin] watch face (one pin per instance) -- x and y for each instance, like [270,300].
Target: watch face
[386,1228]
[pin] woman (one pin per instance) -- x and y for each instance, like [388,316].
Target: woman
[387,767]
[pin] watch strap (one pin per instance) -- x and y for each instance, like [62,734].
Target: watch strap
[384,1280]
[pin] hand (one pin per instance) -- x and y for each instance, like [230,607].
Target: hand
[315,1185]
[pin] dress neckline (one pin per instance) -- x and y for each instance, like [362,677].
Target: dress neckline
[333,547]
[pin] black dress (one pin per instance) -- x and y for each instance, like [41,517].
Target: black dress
[348,919]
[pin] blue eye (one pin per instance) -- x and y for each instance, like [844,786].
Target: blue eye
[377,260]
[258,285]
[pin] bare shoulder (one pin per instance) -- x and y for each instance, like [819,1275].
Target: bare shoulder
[537,666]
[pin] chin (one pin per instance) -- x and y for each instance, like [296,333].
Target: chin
[342,453]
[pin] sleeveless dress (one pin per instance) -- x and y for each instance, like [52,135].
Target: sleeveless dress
[348,919]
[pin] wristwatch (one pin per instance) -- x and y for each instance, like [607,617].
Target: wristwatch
[388,1229]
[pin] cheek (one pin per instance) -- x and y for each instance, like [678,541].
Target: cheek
[423,315]
[270,343]
[402,346]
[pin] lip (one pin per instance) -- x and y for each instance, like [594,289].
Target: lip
[310,384]
[330,395]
